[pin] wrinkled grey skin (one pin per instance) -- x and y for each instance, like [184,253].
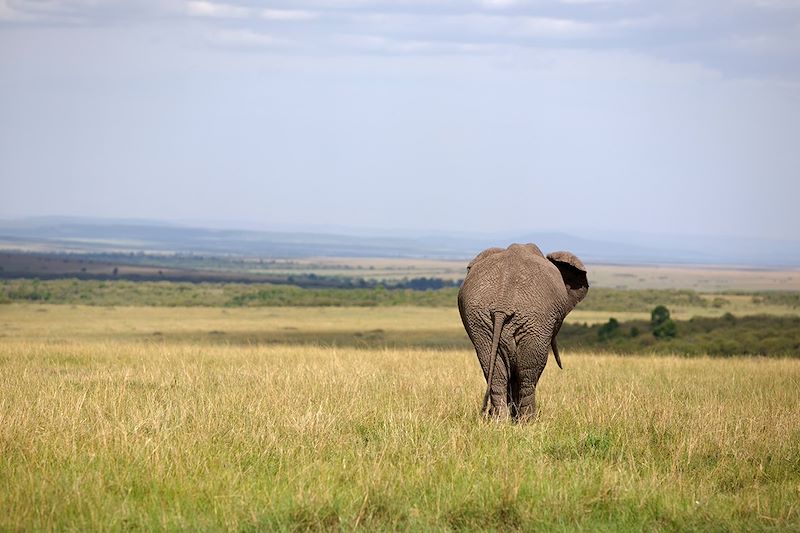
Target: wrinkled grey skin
[512,304]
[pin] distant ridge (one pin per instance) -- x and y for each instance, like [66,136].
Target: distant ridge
[65,234]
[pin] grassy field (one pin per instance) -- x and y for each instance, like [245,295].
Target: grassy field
[390,327]
[173,418]
[352,327]
[600,304]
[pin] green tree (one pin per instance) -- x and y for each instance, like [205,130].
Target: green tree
[663,326]
[659,315]
[666,329]
[608,330]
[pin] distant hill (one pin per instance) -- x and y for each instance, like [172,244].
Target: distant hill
[99,235]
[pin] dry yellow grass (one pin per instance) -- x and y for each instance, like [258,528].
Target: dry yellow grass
[100,430]
[268,323]
[78,321]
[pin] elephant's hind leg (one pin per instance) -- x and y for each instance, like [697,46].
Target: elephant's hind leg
[498,396]
[499,390]
[512,387]
[513,392]
[479,325]
[531,360]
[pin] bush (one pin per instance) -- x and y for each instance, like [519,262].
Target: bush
[662,325]
[659,315]
[666,329]
[767,335]
[608,330]
[718,302]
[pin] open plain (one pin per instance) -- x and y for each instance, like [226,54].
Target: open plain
[238,240]
[218,419]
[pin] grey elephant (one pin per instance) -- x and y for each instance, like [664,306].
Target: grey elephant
[512,304]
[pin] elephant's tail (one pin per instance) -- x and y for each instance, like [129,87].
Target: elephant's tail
[555,351]
[499,319]
[554,346]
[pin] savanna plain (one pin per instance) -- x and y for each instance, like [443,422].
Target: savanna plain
[162,417]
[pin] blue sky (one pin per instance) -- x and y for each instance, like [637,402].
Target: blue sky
[498,115]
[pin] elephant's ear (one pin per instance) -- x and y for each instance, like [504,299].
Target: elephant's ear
[573,272]
[483,255]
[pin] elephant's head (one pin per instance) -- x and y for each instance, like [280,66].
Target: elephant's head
[574,275]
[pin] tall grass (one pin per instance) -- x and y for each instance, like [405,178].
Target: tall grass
[112,435]
[397,327]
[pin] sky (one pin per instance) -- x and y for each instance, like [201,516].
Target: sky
[582,116]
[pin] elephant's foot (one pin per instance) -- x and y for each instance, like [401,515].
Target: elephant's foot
[526,411]
[498,412]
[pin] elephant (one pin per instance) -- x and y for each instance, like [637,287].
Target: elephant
[512,304]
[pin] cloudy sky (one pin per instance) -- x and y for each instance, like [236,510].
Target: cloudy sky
[495,115]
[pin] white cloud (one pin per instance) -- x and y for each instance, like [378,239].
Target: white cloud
[80,12]
[741,37]
[205,8]
[26,10]
[552,27]
[246,39]
[586,2]
[497,4]
[379,44]
[501,27]
[202,8]
[9,13]
[777,4]
[288,14]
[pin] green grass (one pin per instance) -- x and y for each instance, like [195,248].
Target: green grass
[727,335]
[187,294]
[597,307]
[102,428]
[175,436]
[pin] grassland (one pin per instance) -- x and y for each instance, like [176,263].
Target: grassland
[384,327]
[624,304]
[121,436]
[232,406]
[173,418]
[330,326]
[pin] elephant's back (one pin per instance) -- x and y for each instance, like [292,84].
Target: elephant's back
[510,280]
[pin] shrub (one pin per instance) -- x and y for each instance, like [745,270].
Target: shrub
[719,302]
[608,330]
[663,326]
[659,315]
[666,329]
